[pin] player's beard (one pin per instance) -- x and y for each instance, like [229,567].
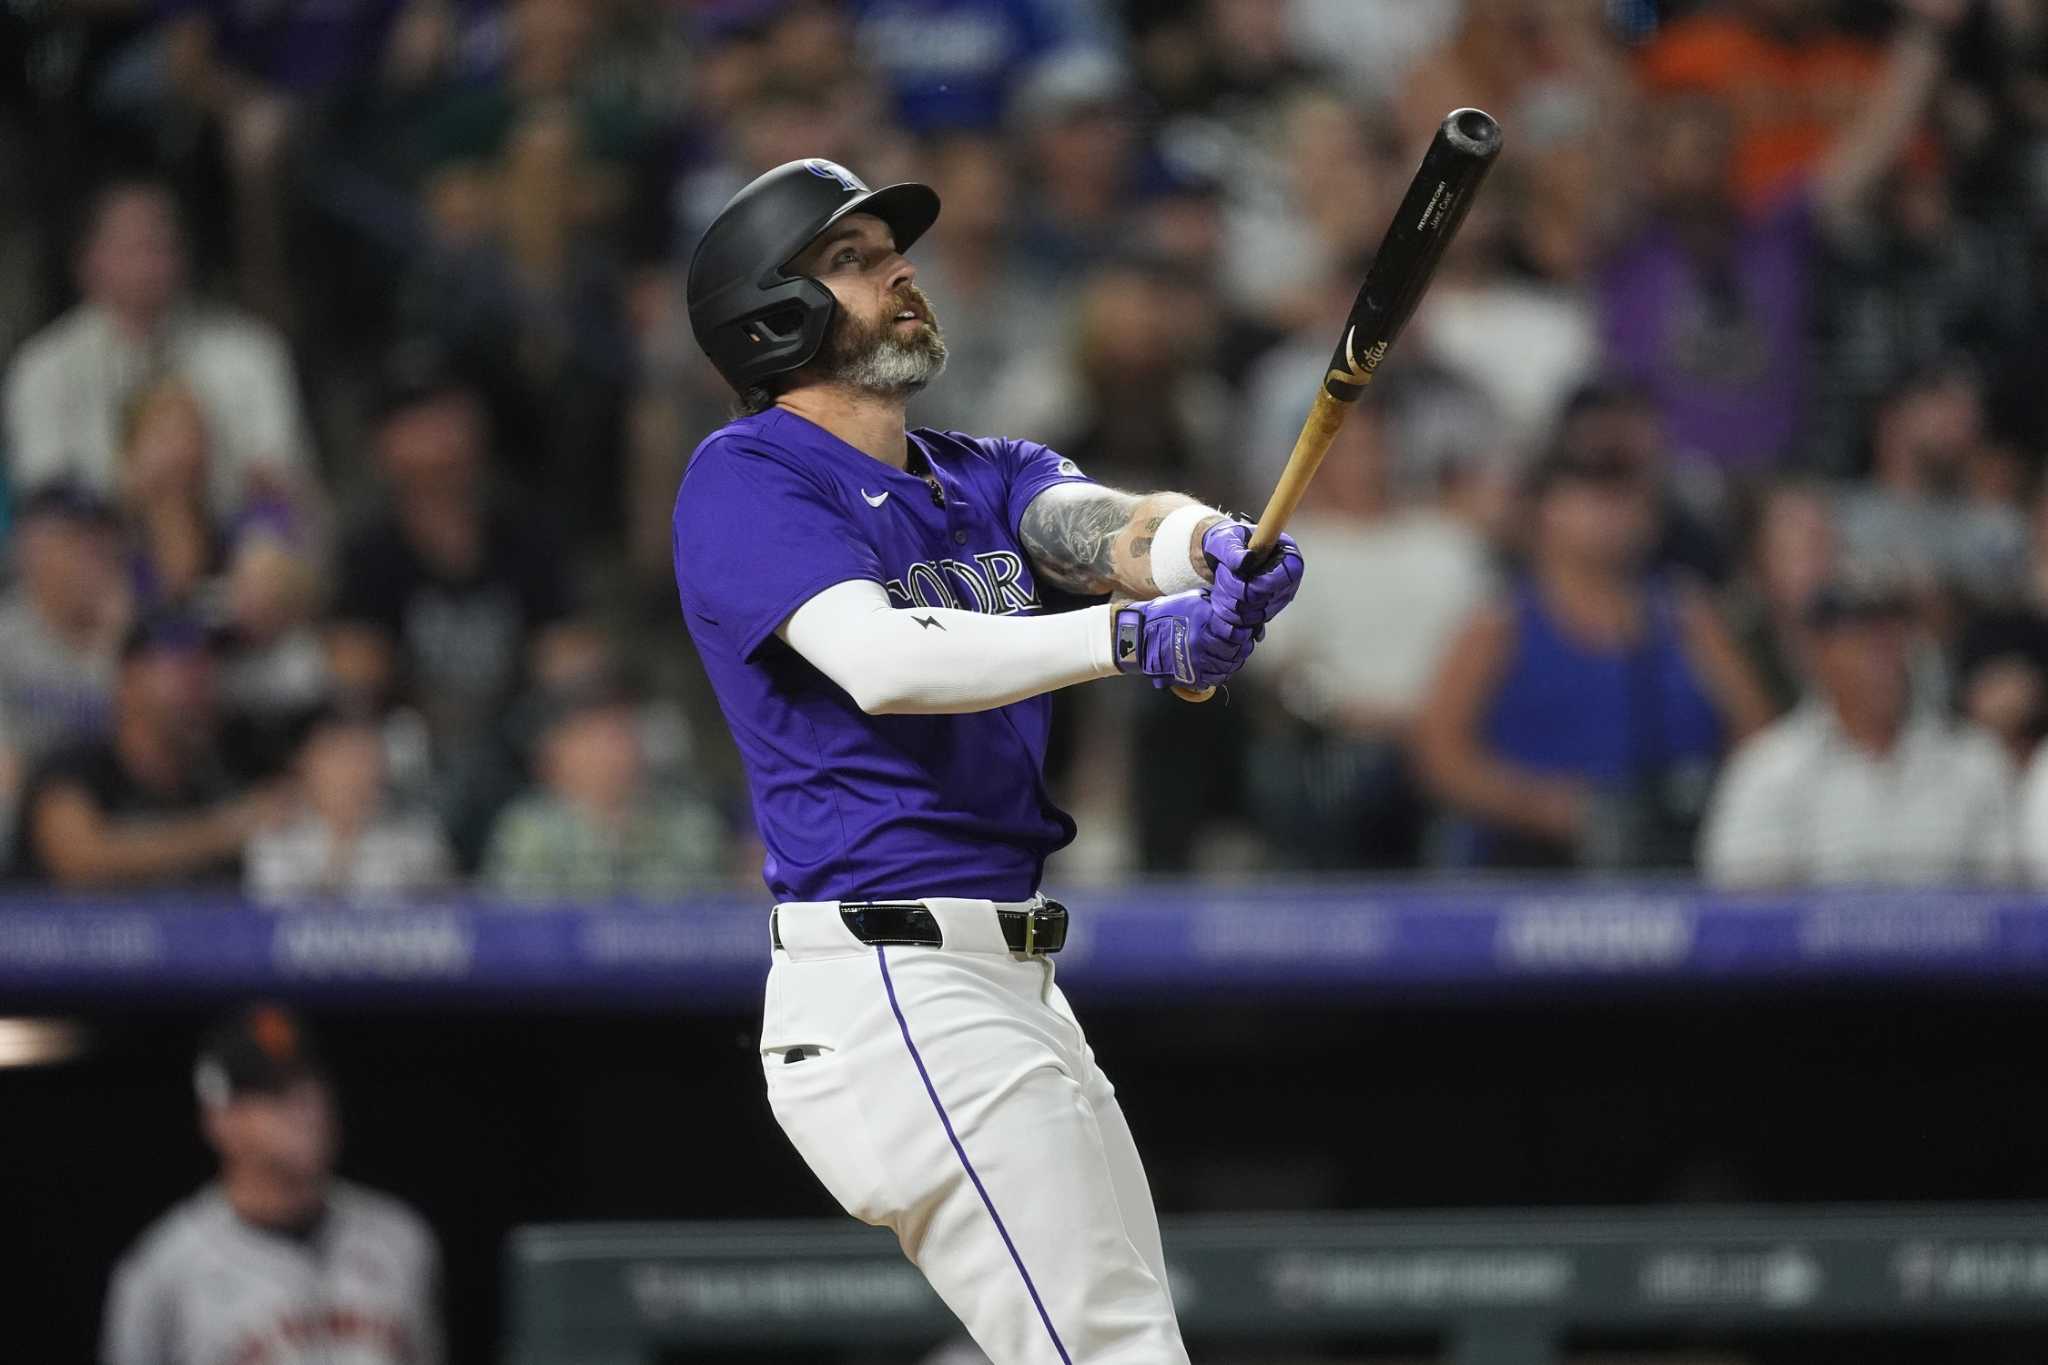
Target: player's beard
[874,358]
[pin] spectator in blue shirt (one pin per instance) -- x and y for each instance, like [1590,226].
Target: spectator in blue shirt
[953,64]
[1578,721]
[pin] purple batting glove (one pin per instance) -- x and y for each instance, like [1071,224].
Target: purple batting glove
[1180,639]
[1251,598]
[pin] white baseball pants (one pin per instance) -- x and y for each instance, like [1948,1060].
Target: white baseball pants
[954,1100]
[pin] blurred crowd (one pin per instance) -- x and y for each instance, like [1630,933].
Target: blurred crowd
[1699,521]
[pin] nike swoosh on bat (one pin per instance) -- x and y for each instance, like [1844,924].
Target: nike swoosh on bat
[874,499]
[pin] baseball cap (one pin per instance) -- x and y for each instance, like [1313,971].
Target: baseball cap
[1847,600]
[726,20]
[340,710]
[1067,84]
[1602,394]
[67,500]
[1566,464]
[547,710]
[166,630]
[412,373]
[262,1050]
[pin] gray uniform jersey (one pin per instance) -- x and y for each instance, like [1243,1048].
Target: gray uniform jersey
[203,1287]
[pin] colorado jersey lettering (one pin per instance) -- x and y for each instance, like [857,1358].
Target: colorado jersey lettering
[773,510]
[994,584]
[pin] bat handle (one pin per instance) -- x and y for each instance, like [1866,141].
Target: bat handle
[1265,536]
[1257,551]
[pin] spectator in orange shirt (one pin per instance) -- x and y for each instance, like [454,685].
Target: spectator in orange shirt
[1708,305]
[1790,81]
[1552,72]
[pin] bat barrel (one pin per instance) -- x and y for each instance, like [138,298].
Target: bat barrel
[1459,156]
[1474,132]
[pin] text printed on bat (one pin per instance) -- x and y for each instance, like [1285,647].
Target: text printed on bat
[1434,211]
[1358,369]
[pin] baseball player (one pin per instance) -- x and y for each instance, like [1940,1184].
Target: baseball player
[277,1263]
[866,602]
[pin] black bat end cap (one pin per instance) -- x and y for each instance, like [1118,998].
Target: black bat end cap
[1474,132]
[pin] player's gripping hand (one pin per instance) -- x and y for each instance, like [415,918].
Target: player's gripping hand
[1180,639]
[1243,596]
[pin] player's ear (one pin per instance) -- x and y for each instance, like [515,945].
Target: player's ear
[216,1125]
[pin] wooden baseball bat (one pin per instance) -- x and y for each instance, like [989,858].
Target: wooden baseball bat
[1431,212]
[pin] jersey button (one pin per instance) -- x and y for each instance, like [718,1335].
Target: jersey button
[959,537]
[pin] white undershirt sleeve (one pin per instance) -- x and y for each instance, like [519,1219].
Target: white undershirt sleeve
[942,660]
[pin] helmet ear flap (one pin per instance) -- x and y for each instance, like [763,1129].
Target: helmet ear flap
[781,325]
[784,333]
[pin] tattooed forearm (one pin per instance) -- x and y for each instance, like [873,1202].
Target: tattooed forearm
[1088,539]
[1070,531]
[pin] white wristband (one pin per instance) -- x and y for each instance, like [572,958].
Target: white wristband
[1174,549]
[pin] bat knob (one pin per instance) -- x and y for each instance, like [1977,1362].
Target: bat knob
[1194,694]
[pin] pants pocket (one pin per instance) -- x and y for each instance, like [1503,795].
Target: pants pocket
[818,1106]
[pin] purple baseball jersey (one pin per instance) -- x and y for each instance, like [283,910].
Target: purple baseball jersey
[773,510]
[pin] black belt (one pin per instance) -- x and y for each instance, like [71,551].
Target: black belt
[1042,929]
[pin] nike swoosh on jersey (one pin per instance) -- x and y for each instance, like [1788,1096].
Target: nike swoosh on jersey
[874,499]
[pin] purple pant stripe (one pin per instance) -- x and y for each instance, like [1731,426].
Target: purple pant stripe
[889,985]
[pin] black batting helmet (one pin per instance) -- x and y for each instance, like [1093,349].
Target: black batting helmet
[752,316]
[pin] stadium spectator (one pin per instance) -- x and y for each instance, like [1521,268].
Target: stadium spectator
[1309,210]
[1375,42]
[1782,68]
[2003,690]
[1603,418]
[448,600]
[276,1259]
[1709,305]
[540,152]
[1405,569]
[163,484]
[1221,59]
[2032,833]
[260,75]
[1859,785]
[1280,383]
[252,576]
[996,316]
[344,840]
[2001,656]
[1791,553]
[1481,305]
[1132,402]
[1072,127]
[597,825]
[1578,721]
[151,804]
[1553,73]
[23,225]
[1906,282]
[1916,511]
[955,64]
[70,385]
[183,552]
[526,184]
[61,622]
[769,123]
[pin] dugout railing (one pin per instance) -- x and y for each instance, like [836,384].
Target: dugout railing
[1496,1288]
